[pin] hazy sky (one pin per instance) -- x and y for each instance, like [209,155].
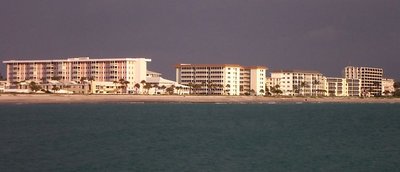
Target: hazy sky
[323,35]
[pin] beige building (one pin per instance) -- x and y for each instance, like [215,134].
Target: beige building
[336,86]
[132,70]
[225,79]
[342,87]
[371,79]
[298,82]
[3,86]
[387,86]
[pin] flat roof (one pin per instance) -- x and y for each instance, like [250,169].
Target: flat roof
[80,59]
[207,65]
[295,71]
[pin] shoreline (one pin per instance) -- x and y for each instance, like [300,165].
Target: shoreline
[88,99]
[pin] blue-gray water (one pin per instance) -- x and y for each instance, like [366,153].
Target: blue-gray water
[200,137]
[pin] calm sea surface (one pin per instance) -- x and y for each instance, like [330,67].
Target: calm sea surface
[200,137]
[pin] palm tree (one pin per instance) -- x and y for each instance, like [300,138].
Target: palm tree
[316,83]
[303,85]
[171,89]
[228,86]
[163,87]
[34,87]
[296,89]
[124,84]
[155,86]
[57,78]
[262,91]
[115,83]
[204,84]
[190,87]
[210,87]
[376,85]
[276,89]
[148,86]
[196,87]
[143,82]
[267,91]
[178,88]
[55,88]
[252,92]
[137,86]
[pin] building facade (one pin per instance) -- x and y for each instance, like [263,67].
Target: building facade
[342,87]
[371,79]
[298,82]
[387,86]
[132,70]
[222,79]
[336,86]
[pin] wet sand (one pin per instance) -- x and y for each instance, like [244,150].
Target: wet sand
[54,98]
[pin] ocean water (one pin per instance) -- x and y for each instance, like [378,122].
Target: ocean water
[200,137]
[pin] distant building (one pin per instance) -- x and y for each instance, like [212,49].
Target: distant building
[222,79]
[298,82]
[342,86]
[371,79]
[387,86]
[3,86]
[336,86]
[353,87]
[132,70]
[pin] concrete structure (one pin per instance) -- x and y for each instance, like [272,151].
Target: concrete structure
[387,86]
[342,87]
[160,86]
[225,79]
[298,82]
[336,86]
[371,79]
[132,70]
[3,86]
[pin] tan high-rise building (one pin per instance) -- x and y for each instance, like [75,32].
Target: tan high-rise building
[371,79]
[74,69]
[228,79]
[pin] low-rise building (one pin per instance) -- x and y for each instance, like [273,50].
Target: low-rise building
[298,82]
[342,87]
[387,86]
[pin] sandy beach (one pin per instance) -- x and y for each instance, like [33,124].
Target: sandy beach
[53,98]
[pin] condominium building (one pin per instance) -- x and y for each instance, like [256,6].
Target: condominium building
[371,78]
[298,82]
[336,86]
[228,79]
[132,70]
[353,87]
[387,86]
[342,86]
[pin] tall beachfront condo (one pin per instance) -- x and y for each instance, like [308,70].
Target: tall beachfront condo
[371,78]
[74,69]
[298,82]
[227,79]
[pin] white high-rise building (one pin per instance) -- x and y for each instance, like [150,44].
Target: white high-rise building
[371,79]
[132,70]
[228,79]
